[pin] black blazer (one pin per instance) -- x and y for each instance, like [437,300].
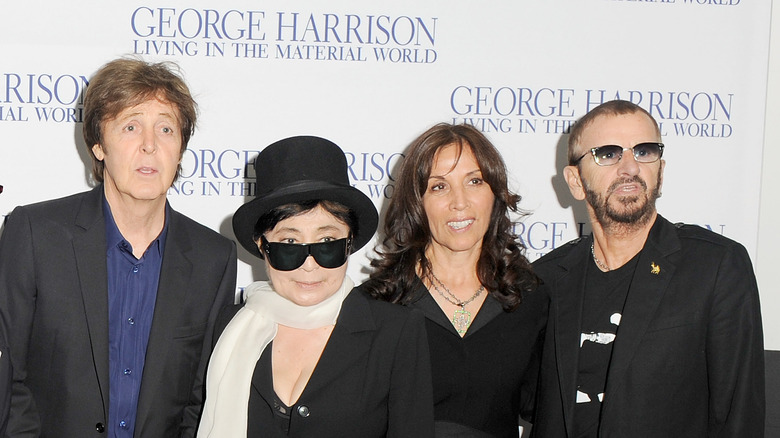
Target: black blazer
[688,360]
[54,314]
[372,380]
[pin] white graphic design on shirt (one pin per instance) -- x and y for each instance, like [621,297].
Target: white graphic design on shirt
[598,338]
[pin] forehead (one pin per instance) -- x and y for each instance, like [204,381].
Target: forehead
[152,106]
[310,221]
[447,159]
[624,130]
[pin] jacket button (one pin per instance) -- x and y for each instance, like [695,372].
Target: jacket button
[303,411]
[100,427]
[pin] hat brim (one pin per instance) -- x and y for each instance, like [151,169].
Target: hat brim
[246,216]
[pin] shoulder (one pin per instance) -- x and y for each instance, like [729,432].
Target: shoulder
[553,257]
[383,312]
[697,235]
[65,204]
[60,212]
[700,242]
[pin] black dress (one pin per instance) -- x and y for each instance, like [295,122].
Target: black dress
[486,379]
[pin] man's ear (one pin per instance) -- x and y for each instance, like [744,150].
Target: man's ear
[97,150]
[572,176]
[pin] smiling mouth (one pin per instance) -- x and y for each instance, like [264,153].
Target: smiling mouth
[146,170]
[460,224]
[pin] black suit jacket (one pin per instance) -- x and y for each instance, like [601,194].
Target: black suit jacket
[54,313]
[372,380]
[688,360]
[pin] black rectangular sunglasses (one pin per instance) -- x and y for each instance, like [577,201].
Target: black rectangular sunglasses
[291,256]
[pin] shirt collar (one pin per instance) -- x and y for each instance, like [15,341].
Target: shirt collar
[114,238]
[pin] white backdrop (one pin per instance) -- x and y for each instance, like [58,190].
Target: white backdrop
[371,76]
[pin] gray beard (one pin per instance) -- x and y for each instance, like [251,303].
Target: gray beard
[636,211]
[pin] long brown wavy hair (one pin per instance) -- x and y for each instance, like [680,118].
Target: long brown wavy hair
[502,268]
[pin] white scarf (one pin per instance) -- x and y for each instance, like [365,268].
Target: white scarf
[233,361]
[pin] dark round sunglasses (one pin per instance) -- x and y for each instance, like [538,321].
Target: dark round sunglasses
[291,256]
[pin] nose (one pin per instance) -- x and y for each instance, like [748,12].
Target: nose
[309,264]
[458,199]
[149,145]
[628,164]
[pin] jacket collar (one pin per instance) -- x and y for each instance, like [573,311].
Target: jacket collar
[351,339]
[648,286]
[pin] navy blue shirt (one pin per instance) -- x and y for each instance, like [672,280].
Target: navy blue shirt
[132,290]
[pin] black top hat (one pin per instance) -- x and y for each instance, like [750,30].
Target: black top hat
[299,169]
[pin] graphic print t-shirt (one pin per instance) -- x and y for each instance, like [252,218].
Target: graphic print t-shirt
[605,296]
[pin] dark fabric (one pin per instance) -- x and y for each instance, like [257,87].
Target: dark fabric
[689,358]
[445,429]
[54,313]
[132,289]
[605,296]
[772,393]
[372,380]
[486,379]
[5,385]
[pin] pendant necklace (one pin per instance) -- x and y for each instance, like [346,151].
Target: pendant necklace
[601,265]
[461,318]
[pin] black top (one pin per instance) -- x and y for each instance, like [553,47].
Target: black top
[602,309]
[486,379]
[371,381]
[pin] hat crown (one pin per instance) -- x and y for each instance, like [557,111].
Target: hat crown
[296,160]
[301,169]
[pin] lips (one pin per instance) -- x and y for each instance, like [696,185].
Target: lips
[458,225]
[146,170]
[627,185]
[308,284]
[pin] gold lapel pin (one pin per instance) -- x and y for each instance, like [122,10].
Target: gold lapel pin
[655,269]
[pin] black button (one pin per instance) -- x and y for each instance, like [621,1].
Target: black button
[303,411]
[100,427]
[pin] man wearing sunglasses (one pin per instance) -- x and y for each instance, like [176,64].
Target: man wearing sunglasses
[654,328]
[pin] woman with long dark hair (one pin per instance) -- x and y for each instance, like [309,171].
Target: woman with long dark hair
[448,250]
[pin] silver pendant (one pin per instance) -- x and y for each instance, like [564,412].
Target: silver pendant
[461,319]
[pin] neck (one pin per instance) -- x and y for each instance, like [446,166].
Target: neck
[140,222]
[614,245]
[454,268]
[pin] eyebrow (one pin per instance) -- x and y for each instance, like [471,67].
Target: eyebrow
[138,113]
[473,172]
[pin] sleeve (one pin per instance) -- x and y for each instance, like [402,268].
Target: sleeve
[735,351]
[225,296]
[410,405]
[17,307]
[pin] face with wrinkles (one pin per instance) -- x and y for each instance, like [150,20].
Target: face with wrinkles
[141,150]
[624,193]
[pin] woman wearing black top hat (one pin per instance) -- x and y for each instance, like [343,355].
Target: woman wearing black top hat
[307,355]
